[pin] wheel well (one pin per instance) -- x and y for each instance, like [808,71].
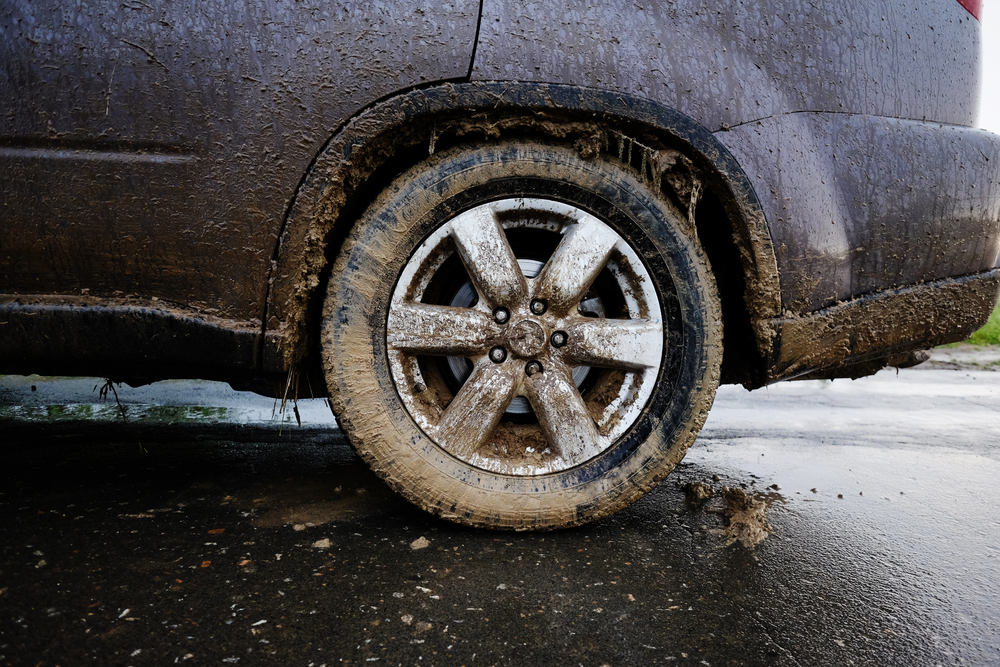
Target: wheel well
[741,363]
[668,162]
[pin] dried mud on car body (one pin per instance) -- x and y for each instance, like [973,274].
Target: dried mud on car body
[911,318]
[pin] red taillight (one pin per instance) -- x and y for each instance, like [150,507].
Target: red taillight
[973,6]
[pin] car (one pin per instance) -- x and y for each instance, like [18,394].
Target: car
[517,244]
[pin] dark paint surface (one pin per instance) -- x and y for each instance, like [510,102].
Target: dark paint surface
[153,150]
[737,62]
[858,204]
[123,340]
[108,557]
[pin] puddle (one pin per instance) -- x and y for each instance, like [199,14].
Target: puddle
[49,400]
[169,414]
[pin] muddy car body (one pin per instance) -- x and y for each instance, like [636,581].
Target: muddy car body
[411,204]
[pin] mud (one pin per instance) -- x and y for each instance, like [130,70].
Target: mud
[607,388]
[588,138]
[162,307]
[884,325]
[747,518]
[662,164]
[697,492]
[745,514]
[511,443]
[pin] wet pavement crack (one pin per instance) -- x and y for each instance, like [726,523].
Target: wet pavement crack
[767,636]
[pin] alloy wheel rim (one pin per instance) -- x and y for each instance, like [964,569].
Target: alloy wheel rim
[524,336]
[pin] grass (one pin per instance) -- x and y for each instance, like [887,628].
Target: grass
[990,333]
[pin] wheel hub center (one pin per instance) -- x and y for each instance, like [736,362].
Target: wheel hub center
[526,338]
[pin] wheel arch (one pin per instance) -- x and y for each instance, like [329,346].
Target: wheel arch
[672,152]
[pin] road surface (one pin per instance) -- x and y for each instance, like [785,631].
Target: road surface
[205,532]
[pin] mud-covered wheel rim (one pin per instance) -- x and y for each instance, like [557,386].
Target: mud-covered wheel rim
[559,325]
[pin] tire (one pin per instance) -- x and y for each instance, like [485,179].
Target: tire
[497,401]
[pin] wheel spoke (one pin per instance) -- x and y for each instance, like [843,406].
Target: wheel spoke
[568,427]
[580,256]
[437,330]
[626,344]
[475,411]
[488,258]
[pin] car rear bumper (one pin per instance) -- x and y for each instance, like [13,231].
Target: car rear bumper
[857,337]
[861,204]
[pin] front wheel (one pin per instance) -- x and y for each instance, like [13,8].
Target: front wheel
[515,337]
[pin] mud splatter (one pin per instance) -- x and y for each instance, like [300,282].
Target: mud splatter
[747,518]
[697,492]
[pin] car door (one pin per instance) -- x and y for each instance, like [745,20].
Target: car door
[151,149]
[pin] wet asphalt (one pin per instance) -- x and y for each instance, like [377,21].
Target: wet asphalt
[204,531]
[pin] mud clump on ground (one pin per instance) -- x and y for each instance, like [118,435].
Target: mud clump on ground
[746,514]
[747,518]
[696,492]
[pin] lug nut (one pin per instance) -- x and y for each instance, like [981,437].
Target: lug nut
[558,338]
[538,306]
[498,354]
[533,368]
[501,315]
